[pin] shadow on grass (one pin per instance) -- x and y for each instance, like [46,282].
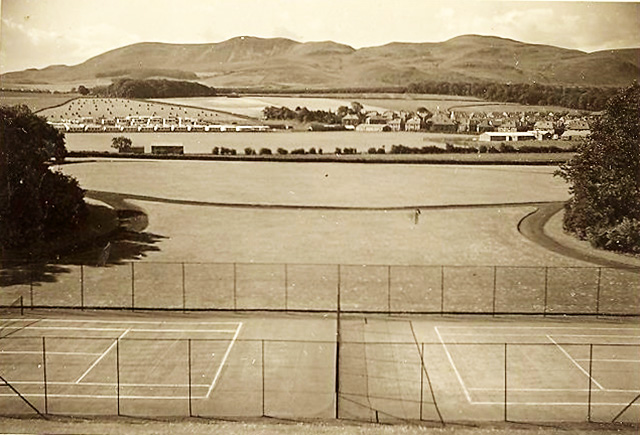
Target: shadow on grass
[126,242]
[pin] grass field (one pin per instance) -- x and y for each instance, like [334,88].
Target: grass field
[120,107]
[34,100]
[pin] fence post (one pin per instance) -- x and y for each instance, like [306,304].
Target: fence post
[31,285]
[590,373]
[189,364]
[235,284]
[184,291]
[118,372]
[421,378]
[505,382]
[262,365]
[44,374]
[546,279]
[494,290]
[82,286]
[598,292]
[442,290]
[337,364]
[133,287]
[286,288]
[21,305]
[389,290]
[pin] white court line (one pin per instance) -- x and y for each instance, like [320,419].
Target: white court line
[596,383]
[105,396]
[39,352]
[587,328]
[122,322]
[101,356]
[455,369]
[544,390]
[80,328]
[475,334]
[610,360]
[557,403]
[109,384]
[224,360]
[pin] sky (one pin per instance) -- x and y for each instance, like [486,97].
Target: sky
[39,33]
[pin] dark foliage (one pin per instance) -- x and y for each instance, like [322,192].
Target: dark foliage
[121,143]
[35,202]
[605,178]
[302,114]
[131,88]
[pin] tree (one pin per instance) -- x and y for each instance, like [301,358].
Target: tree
[36,203]
[604,207]
[121,143]
[82,90]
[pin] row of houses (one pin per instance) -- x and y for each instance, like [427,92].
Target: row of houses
[539,126]
[96,128]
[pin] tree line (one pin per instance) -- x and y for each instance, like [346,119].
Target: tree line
[153,88]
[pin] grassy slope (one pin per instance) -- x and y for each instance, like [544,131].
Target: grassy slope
[34,100]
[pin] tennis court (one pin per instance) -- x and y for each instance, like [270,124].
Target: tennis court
[386,368]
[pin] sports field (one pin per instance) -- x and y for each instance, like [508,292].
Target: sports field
[385,369]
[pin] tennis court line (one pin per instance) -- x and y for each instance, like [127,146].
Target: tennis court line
[557,403]
[544,390]
[115,343]
[109,384]
[594,328]
[121,322]
[82,328]
[39,352]
[224,360]
[455,369]
[596,383]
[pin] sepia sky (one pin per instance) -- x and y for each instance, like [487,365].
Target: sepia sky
[38,33]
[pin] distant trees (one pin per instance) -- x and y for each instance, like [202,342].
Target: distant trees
[605,178]
[35,202]
[121,143]
[131,88]
[575,97]
[83,90]
[302,114]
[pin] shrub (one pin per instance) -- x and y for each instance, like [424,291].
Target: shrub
[265,152]
[249,151]
[623,237]
[282,151]
[215,151]
[298,151]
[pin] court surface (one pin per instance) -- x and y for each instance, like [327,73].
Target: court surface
[284,365]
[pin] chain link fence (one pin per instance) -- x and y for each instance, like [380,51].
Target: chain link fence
[541,290]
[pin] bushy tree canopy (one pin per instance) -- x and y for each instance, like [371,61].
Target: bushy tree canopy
[605,178]
[35,202]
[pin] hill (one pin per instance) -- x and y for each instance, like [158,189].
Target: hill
[282,63]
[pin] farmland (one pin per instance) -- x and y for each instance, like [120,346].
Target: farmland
[119,107]
[34,100]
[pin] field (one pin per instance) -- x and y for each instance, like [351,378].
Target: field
[34,100]
[120,107]
[253,105]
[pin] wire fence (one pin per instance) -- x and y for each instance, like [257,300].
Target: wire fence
[381,382]
[539,290]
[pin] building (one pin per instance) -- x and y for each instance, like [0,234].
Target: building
[575,134]
[396,124]
[506,136]
[350,119]
[414,124]
[443,124]
[373,127]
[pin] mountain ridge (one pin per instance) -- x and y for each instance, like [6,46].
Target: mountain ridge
[247,61]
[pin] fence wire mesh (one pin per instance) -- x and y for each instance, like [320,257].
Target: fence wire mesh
[298,287]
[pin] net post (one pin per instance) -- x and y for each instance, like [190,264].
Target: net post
[189,365]
[82,286]
[44,374]
[421,378]
[494,291]
[590,373]
[505,382]
[118,373]
[442,290]
[262,368]
[184,291]
[133,288]
[546,289]
[598,291]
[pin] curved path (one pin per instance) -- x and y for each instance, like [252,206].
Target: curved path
[531,226]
